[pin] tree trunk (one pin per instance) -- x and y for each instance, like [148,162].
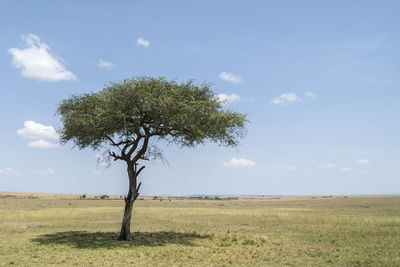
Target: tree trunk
[129,200]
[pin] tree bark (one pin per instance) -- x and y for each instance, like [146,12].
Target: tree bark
[129,200]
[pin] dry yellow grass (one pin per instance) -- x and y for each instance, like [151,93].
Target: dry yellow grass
[293,231]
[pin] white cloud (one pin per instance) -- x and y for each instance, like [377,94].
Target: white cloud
[224,98]
[42,144]
[345,169]
[362,162]
[39,133]
[48,171]
[363,171]
[98,172]
[35,61]
[239,162]
[143,42]
[327,166]
[330,165]
[230,77]
[290,168]
[9,172]
[286,99]
[34,130]
[311,94]
[104,64]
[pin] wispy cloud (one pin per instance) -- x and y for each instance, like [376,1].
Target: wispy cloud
[9,172]
[362,162]
[311,94]
[290,168]
[104,64]
[353,170]
[286,99]
[143,42]
[230,77]
[48,171]
[35,61]
[329,165]
[234,162]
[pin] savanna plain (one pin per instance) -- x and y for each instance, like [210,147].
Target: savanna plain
[57,229]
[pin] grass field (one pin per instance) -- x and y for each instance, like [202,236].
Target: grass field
[49,229]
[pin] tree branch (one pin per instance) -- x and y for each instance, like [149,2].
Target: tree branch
[126,146]
[115,156]
[133,148]
[140,169]
[144,146]
[112,141]
[126,142]
[137,191]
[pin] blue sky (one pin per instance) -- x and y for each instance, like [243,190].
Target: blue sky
[319,81]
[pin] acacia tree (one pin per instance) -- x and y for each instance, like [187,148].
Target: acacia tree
[125,117]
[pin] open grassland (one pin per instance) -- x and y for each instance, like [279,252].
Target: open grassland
[49,229]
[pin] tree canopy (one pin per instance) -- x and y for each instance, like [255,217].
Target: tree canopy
[128,113]
[123,117]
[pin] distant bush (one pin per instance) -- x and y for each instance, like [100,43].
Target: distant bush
[196,198]
[104,197]
[8,196]
[213,198]
[83,196]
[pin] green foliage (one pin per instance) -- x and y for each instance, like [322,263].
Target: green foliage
[134,110]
